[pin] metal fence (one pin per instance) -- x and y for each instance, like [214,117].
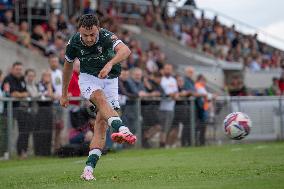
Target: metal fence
[40,126]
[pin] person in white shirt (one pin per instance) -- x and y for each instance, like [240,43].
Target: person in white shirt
[56,78]
[56,75]
[167,105]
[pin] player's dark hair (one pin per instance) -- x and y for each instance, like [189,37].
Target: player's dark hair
[88,21]
[17,64]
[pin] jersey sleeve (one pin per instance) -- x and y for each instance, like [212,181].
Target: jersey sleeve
[70,52]
[112,40]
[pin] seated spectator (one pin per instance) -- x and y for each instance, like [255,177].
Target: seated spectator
[24,37]
[56,47]
[237,87]
[39,36]
[274,88]
[7,18]
[2,29]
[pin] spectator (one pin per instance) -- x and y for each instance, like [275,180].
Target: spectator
[135,88]
[135,83]
[31,86]
[237,87]
[274,88]
[15,86]
[167,105]
[281,83]
[24,37]
[39,36]
[150,112]
[8,17]
[188,79]
[56,75]
[32,110]
[56,78]
[43,129]
[181,118]
[1,93]
[2,29]
[56,47]
[202,108]
[62,24]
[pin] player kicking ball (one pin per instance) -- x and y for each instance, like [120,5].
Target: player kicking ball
[99,52]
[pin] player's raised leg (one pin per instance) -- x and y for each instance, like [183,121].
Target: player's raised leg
[96,146]
[121,132]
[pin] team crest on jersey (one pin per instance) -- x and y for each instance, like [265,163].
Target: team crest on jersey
[100,49]
[82,52]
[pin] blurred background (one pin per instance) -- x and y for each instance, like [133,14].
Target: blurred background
[217,64]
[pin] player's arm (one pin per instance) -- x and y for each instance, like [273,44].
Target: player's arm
[121,53]
[67,73]
[70,56]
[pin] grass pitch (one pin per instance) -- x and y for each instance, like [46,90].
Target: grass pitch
[248,166]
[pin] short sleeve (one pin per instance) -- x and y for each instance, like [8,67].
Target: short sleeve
[70,52]
[112,39]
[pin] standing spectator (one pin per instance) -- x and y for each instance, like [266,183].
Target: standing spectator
[150,111]
[15,86]
[32,89]
[56,75]
[202,108]
[56,78]
[167,105]
[43,130]
[135,89]
[188,79]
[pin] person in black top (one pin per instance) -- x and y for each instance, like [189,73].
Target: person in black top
[14,85]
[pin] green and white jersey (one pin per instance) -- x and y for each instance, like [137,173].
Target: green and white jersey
[93,58]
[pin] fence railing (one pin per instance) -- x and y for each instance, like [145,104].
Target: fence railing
[41,127]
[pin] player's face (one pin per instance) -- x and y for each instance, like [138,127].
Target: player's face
[89,35]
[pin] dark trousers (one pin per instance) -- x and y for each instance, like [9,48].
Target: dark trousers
[43,131]
[25,121]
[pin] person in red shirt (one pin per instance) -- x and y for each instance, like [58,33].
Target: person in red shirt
[73,89]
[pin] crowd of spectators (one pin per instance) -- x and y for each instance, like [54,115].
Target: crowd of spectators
[144,74]
[206,35]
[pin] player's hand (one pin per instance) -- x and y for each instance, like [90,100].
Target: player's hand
[104,72]
[64,101]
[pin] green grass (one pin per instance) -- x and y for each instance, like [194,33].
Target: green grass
[248,166]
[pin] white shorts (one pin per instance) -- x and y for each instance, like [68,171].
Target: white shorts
[89,83]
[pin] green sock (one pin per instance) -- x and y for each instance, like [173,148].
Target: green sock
[92,160]
[115,123]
